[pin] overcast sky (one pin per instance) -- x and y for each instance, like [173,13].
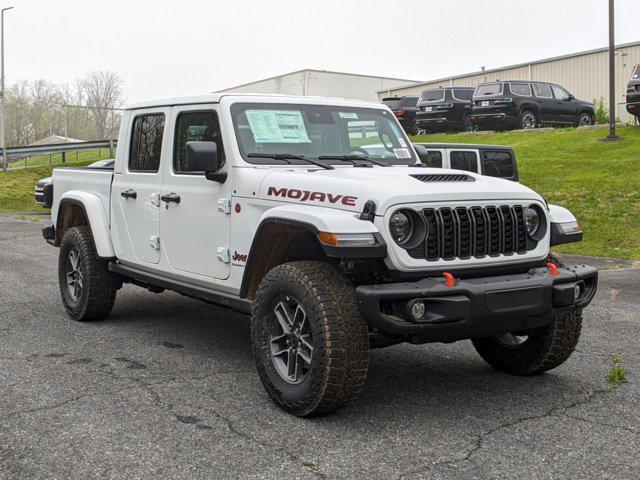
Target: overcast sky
[166,48]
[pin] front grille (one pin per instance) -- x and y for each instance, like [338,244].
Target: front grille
[444,177]
[463,233]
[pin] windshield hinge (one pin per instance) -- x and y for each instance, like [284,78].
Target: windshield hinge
[223,254]
[224,205]
[154,241]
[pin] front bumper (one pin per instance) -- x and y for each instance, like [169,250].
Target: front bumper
[475,307]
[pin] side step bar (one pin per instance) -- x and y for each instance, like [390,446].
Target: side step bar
[219,298]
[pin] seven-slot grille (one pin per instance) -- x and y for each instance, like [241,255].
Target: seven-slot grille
[472,232]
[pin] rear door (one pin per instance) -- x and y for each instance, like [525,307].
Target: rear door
[545,101]
[136,191]
[195,211]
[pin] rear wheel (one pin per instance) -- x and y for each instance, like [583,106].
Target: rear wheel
[468,125]
[310,344]
[528,120]
[87,287]
[533,351]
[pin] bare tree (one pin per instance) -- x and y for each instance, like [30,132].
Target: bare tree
[103,93]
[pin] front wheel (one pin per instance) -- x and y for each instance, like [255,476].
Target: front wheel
[585,119]
[87,287]
[533,351]
[309,342]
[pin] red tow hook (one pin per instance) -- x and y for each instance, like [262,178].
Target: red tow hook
[553,269]
[450,282]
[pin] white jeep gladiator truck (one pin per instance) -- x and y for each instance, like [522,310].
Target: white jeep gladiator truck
[316,217]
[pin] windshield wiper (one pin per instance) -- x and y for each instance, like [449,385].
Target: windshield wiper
[351,158]
[290,156]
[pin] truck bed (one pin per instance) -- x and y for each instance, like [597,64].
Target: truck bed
[96,181]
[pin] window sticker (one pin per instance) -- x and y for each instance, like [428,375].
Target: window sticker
[349,115]
[402,152]
[402,142]
[277,126]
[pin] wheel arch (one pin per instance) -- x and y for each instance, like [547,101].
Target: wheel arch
[82,208]
[289,233]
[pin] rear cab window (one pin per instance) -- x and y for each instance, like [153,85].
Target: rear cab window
[392,103]
[146,143]
[496,163]
[409,102]
[431,158]
[464,160]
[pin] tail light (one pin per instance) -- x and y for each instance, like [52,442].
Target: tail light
[398,113]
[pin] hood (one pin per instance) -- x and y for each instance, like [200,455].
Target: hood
[349,188]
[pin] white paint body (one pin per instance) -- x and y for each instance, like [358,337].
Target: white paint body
[199,237]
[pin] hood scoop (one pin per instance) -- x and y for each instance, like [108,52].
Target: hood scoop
[444,177]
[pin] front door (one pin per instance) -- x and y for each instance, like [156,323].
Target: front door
[565,107]
[195,211]
[136,190]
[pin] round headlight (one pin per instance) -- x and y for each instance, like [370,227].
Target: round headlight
[400,226]
[532,220]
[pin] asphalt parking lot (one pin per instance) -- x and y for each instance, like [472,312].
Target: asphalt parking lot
[166,388]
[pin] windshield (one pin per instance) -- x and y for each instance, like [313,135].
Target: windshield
[318,131]
[488,89]
[432,96]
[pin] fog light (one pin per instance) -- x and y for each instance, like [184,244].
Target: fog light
[418,310]
[577,292]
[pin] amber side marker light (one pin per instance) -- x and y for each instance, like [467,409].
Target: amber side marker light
[347,239]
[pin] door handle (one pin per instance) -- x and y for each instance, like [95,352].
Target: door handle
[171,197]
[129,194]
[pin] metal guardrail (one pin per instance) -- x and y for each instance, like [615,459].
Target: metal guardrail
[35,150]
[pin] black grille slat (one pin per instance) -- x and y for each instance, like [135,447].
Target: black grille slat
[472,232]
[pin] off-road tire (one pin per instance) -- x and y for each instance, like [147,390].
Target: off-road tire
[414,130]
[467,124]
[545,348]
[340,338]
[98,293]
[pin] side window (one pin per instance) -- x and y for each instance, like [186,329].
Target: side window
[521,89]
[559,92]
[497,164]
[431,158]
[461,160]
[542,90]
[146,143]
[200,126]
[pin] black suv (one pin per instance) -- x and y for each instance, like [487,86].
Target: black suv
[633,93]
[523,104]
[404,108]
[445,109]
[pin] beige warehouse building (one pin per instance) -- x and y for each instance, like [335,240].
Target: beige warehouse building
[585,74]
[322,83]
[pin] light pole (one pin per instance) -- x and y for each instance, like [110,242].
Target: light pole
[612,74]
[3,140]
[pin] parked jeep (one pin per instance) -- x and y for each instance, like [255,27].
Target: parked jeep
[272,206]
[491,160]
[526,105]
[633,93]
[442,109]
[404,108]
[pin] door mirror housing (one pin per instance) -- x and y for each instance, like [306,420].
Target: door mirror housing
[569,98]
[202,157]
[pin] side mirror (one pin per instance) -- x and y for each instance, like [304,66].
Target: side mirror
[570,97]
[202,157]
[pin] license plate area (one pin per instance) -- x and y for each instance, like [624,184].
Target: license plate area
[485,103]
[528,299]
